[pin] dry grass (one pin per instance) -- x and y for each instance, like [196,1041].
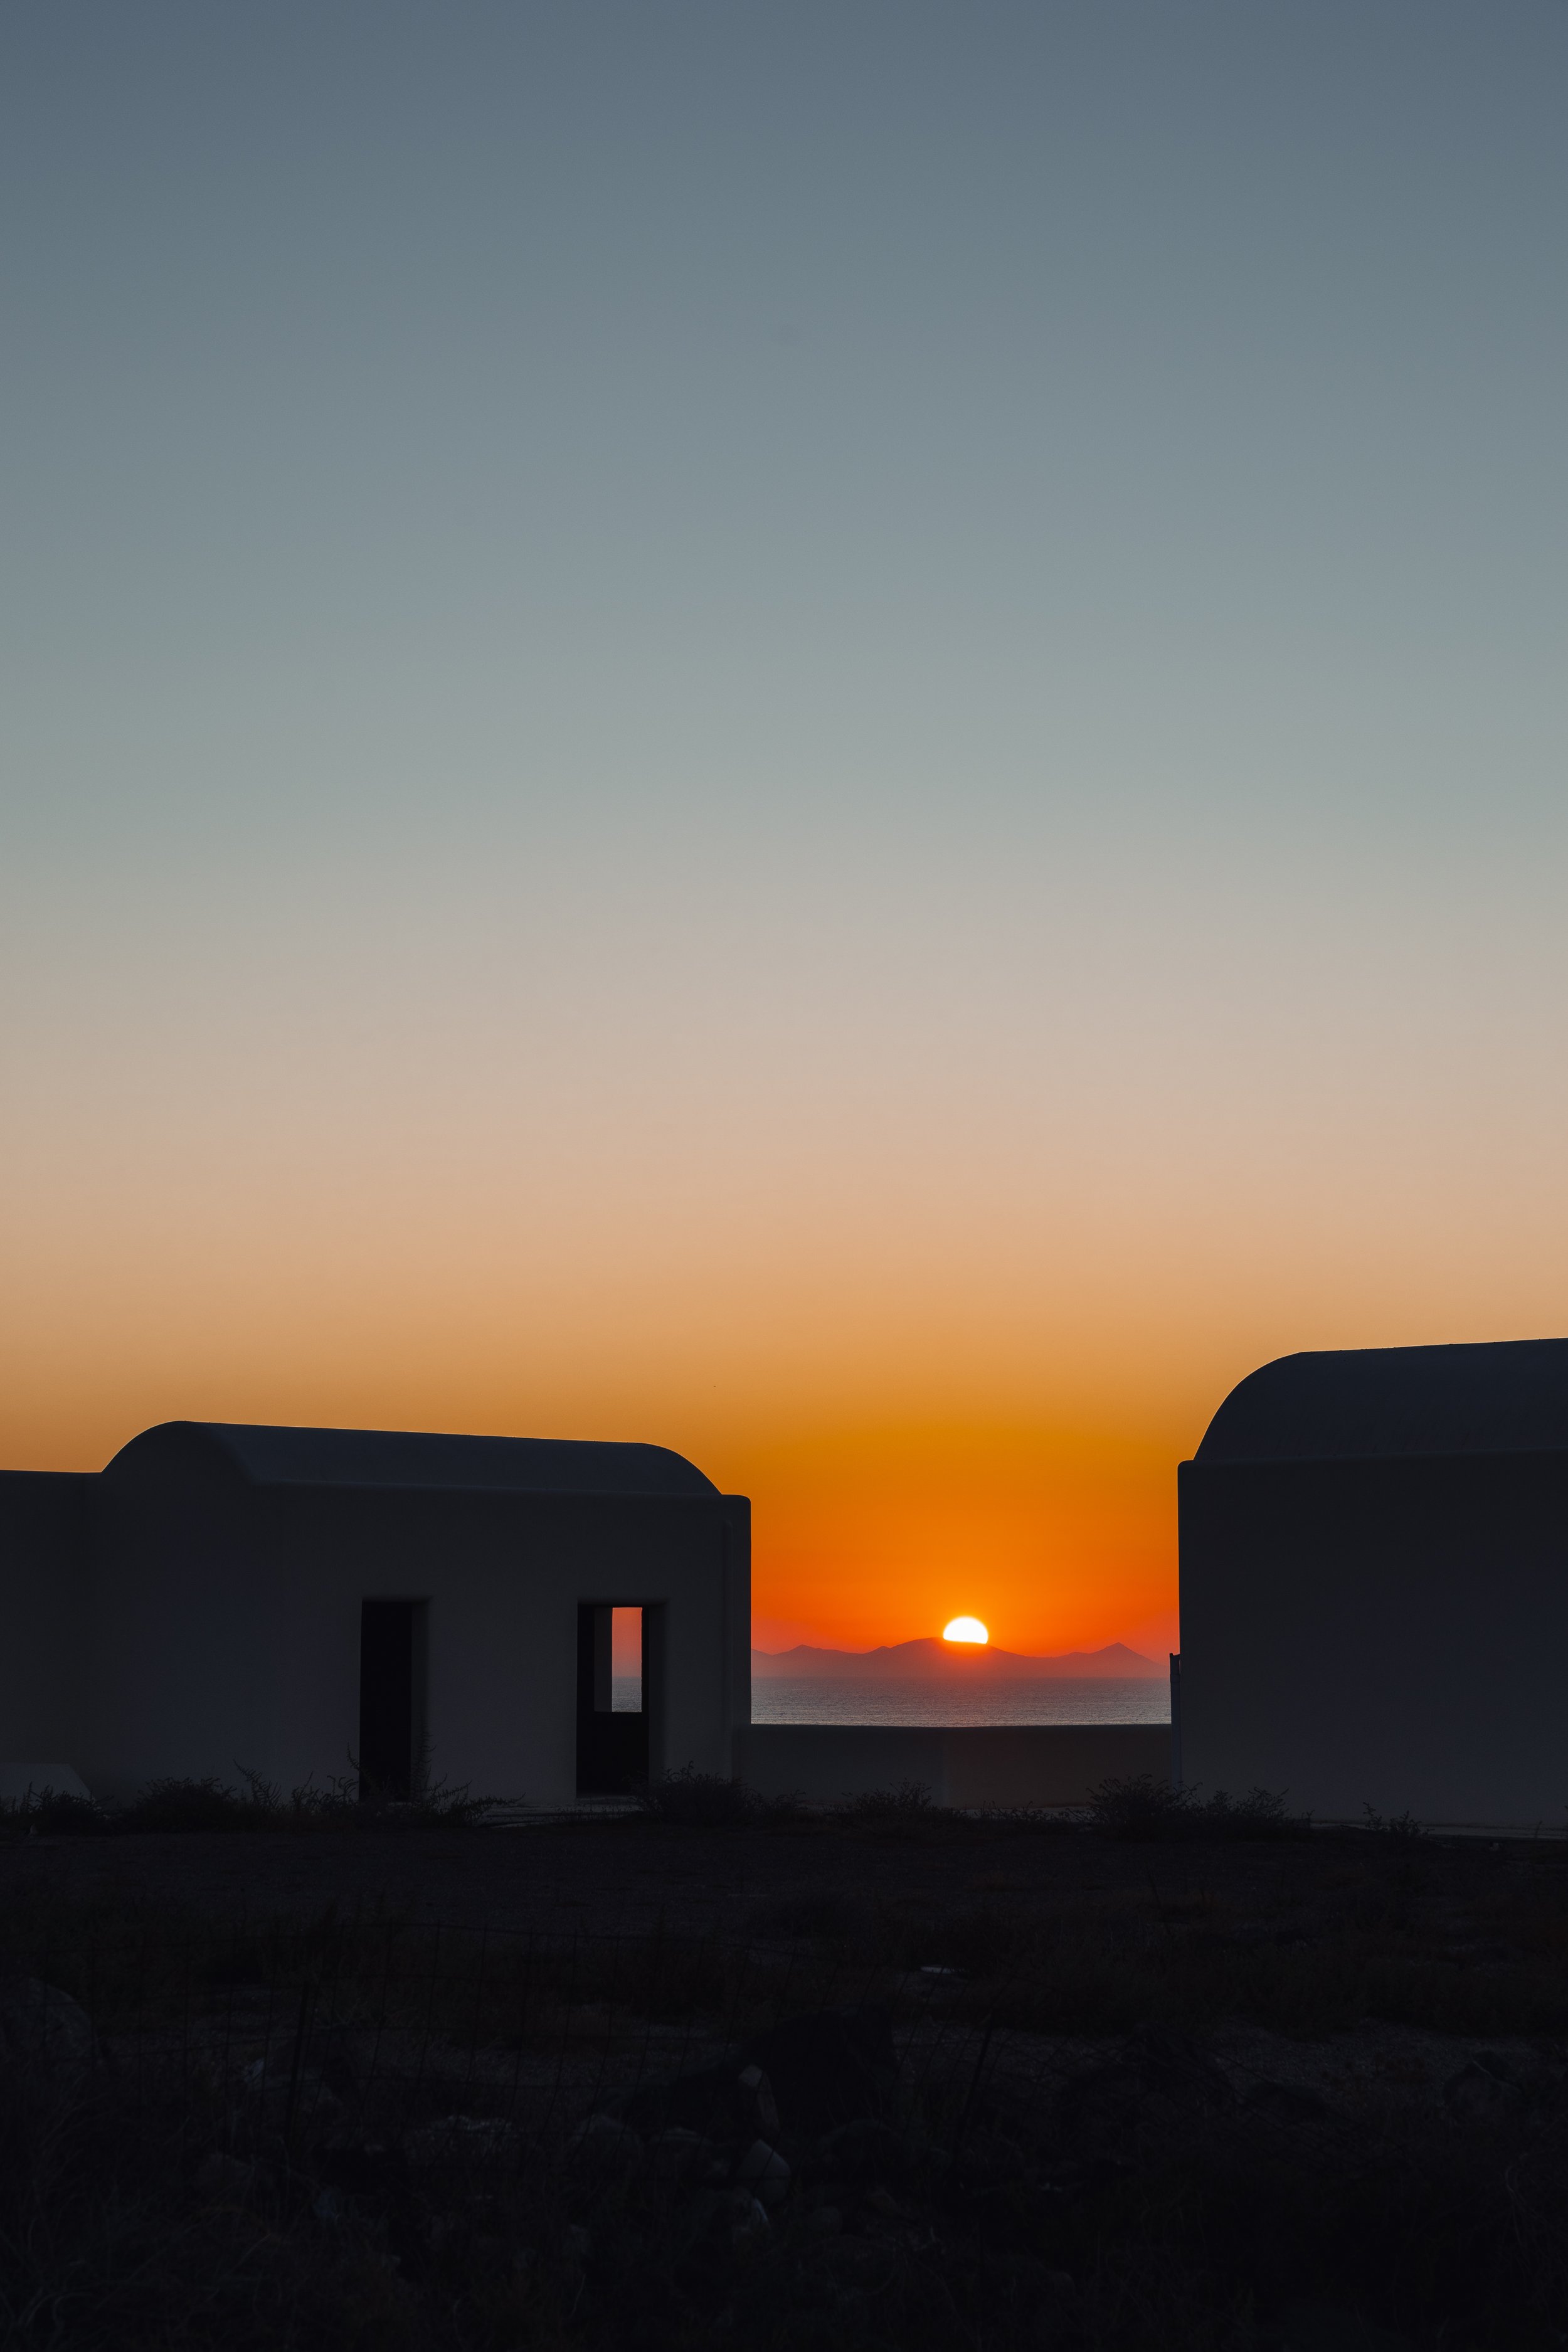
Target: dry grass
[1188,2209]
[215,1807]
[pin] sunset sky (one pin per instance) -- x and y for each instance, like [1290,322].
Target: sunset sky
[832,733]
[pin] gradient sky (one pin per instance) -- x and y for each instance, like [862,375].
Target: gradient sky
[832,733]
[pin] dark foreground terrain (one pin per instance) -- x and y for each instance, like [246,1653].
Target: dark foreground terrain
[893,2079]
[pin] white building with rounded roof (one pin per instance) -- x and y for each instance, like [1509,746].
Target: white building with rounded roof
[317,1604]
[1374,1585]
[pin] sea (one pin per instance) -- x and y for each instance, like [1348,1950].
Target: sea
[1079,1698]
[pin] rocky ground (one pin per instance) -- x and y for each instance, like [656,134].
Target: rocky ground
[902,2081]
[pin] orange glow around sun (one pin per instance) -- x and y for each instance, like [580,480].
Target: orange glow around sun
[855,1533]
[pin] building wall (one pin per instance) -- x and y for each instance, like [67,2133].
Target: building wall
[183,1634]
[227,1628]
[1387,1633]
[45,1538]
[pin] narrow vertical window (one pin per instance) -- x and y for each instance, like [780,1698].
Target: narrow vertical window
[391,1698]
[615,1698]
[627,1661]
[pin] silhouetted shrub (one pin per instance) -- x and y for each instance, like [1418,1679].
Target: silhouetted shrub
[358,1805]
[1039,1821]
[210,1804]
[707,1801]
[1141,1808]
[908,1806]
[1260,1814]
[52,1812]
[176,1804]
[1401,1828]
[1147,1808]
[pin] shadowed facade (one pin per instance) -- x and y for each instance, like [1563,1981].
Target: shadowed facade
[1375,1584]
[330,1603]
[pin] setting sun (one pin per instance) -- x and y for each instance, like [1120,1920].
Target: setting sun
[965,1629]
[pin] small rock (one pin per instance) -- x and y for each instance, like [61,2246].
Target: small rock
[748,2220]
[764,2172]
[1479,2098]
[46,2037]
[758,2102]
[329,2205]
[731,2215]
[822,2221]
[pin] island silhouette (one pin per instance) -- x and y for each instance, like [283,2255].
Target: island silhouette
[929,1660]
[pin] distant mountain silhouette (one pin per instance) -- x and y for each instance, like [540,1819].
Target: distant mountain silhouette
[928,1660]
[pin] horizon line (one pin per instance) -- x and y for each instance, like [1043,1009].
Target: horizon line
[982,1649]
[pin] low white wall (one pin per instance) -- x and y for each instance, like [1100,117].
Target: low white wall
[1025,1764]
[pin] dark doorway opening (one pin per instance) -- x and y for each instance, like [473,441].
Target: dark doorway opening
[391,1697]
[614,1711]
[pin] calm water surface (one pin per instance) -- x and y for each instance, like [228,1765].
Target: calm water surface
[882,1700]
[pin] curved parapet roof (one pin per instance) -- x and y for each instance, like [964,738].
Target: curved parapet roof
[399,1458]
[1367,1403]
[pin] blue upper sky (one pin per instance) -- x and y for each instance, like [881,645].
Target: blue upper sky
[1083,406]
